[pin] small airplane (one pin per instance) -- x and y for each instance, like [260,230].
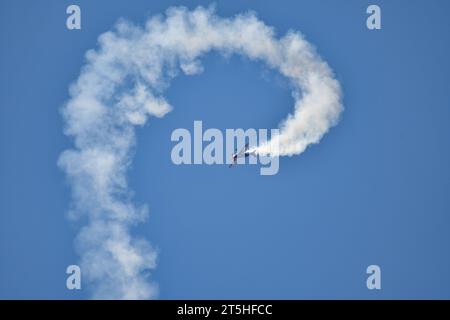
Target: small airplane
[245,152]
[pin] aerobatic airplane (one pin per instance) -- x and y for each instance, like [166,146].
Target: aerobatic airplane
[245,152]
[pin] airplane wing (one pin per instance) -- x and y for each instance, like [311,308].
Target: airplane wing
[243,150]
[233,163]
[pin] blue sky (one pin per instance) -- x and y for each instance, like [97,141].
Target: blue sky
[374,191]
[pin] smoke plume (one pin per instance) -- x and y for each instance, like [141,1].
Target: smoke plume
[122,84]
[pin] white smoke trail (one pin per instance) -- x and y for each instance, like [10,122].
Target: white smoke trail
[122,84]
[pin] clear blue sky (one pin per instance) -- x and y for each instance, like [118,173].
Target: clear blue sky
[374,191]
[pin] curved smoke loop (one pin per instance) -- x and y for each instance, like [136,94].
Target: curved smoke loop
[121,85]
